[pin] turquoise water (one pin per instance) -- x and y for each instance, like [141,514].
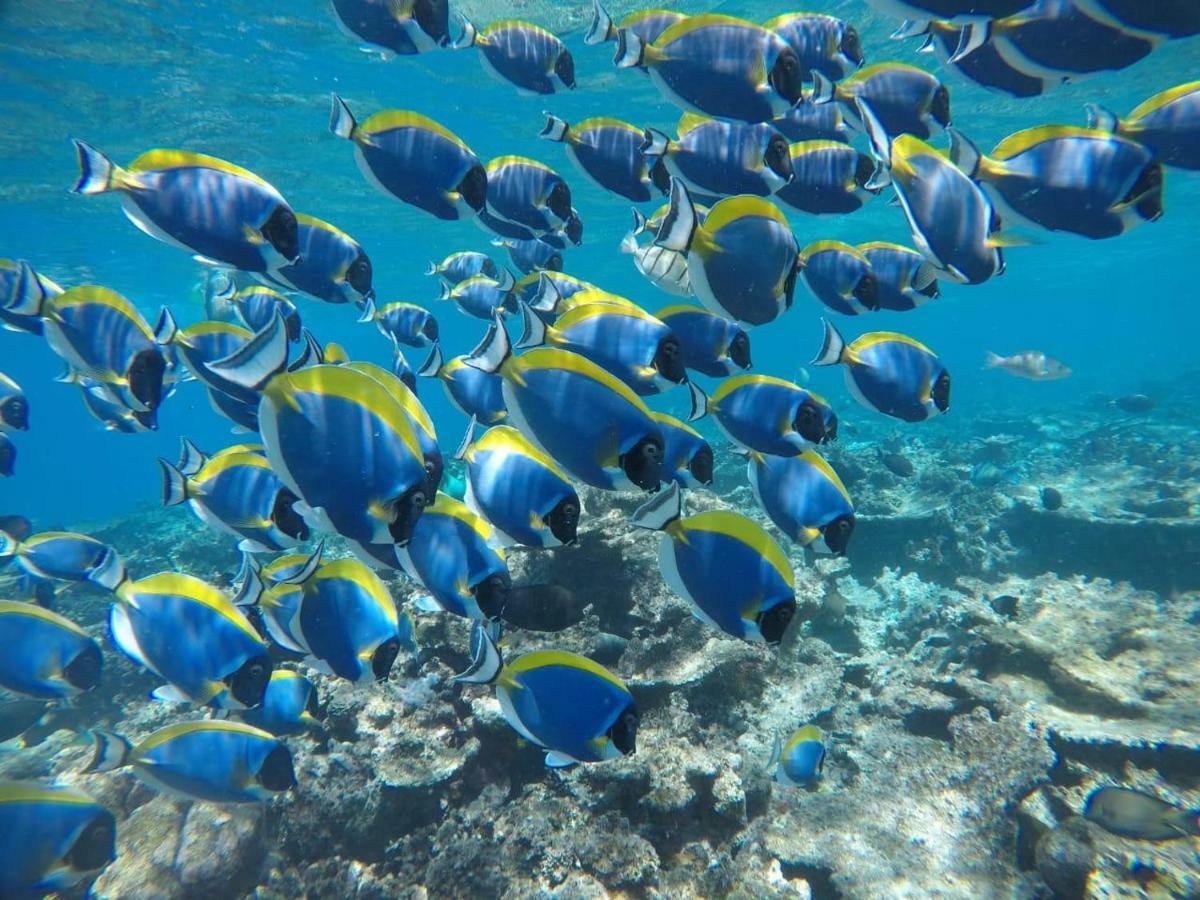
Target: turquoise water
[251,84]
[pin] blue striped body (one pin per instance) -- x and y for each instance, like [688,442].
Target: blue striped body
[422,27]
[522,54]
[327,256]
[609,153]
[798,493]
[285,706]
[342,622]
[896,272]
[813,122]
[214,761]
[238,495]
[518,192]
[620,341]
[408,324]
[38,647]
[895,379]
[724,158]
[481,297]
[475,392]
[759,413]
[706,339]
[839,276]
[65,556]
[827,178]
[41,825]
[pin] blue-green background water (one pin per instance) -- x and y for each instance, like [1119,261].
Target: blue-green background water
[251,83]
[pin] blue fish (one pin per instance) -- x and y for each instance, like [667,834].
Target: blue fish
[824,44]
[481,297]
[530,287]
[905,99]
[800,761]
[984,65]
[528,194]
[204,343]
[950,10]
[1168,124]
[890,373]
[687,455]
[65,556]
[462,265]
[13,275]
[521,53]
[414,159]
[406,323]
[804,498]
[14,406]
[742,260]
[1088,182]
[477,394]
[813,122]
[534,256]
[828,177]
[573,708]
[332,266]
[403,28]
[46,656]
[523,493]
[220,212]
[647,24]
[840,277]
[193,637]
[712,345]
[723,158]
[730,570]
[767,414]
[289,706]
[209,760]
[608,151]
[584,418]
[625,340]
[235,491]
[54,838]
[454,557]
[718,66]
[254,307]
[904,279]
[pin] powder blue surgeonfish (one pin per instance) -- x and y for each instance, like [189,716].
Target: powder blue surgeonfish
[332,267]
[477,394]
[54,838]
[522,492]
[192,636]
[405,323]
[46,656]
[904,279]
[1088,182]
[608,151]
[813,122]
[481,297]
[688,458]
[462,265]
[338,613]
[453,555]
[905,99]
[573,708]
[521,53]
[14,406]
[742,260]
[828,177]
[13,277]
[236,492]
[953,222]
[404,27]
[799,762]
[628,342]
[583,417]
[718,66]
[528,194]
[723,158]
[414,159]
[254,307]
[220,212]
[805,499]
[984,65]
[1168,124]
[768,414]
[840,277]
[890,373]
[289,706]
[534,256]
[647,24]
[65,556]
[338,438]
[712,345]
[208,760]
[100,334]
[735,576]
[824,44]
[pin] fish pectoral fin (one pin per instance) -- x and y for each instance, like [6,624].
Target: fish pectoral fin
[427,604]
[168,693]
[253,235]
[556,759]
[1009,239]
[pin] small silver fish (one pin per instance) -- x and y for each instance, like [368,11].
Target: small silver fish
[1031,364]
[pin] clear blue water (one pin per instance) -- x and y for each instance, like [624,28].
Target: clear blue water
[251,84]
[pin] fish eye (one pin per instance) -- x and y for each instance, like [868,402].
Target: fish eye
[810,424]
[624,731]
[384,657]
[774,622]
[852,46]
[564,68]
[359,275]
[473,188]
[249,683]
[701,465]
[559,201]
[739,350]
[283,233]
[941,392]
[276,773]
[16,412]
[837,534]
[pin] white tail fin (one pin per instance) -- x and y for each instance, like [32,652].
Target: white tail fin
[174,488]
[823,89]
[341,120]
[548,296]
[679,224]
[660,510]
[432,364]
[699,402]
[165,328]
[467,36]
[28,296]
[191,458]
[250,587]
[467,438]
[832,347]
[964,153]
[493,350]
[881,142]
[1100,118]
[111,751]
[601,29]
[656,144]
[910,28]
[309,569]
[486,659]
[630,50]
[556,129]
[368,312]
[433,268]
[97,173]
[973,36]
[993,360]
[258,361]
[534,331]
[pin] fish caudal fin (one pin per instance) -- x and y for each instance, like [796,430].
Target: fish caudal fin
[467,438]
[964,153]
[341,120]
[98,174]
[993,360]
[548,296]
[28,297]
[679,224]
[970,39]
[555,129]
[8,546]
[601,29]
[833,347]
[493,350]
[110,572]
[1100,118]
[823,89]
[486,659]
[881,142]
[165,327]
[433,268]
[630,50]
[368,311]
[910,28]
[699,402]
[660,510]
[432,364]
[534,331]
[259,360]
[311,355]
[309,569]
[174,487]
[250,587]
[468,36]
[656,145]
[110,751]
